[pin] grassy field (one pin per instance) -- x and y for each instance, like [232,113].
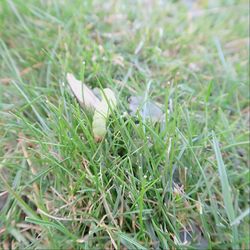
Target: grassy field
[181,184]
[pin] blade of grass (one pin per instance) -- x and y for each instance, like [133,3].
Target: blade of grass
[130,242]
[226,190]
[237,220]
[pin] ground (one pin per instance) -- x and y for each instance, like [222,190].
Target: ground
[180,184]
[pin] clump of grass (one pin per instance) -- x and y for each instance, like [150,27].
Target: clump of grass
[144,186]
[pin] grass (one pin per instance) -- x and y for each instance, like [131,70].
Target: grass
[143,186]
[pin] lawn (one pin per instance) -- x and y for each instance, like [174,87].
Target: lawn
[180,182]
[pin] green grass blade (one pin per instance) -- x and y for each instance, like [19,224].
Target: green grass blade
[130,242]
[226,189]
[240,217]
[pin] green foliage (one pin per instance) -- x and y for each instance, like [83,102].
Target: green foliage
[145,185]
